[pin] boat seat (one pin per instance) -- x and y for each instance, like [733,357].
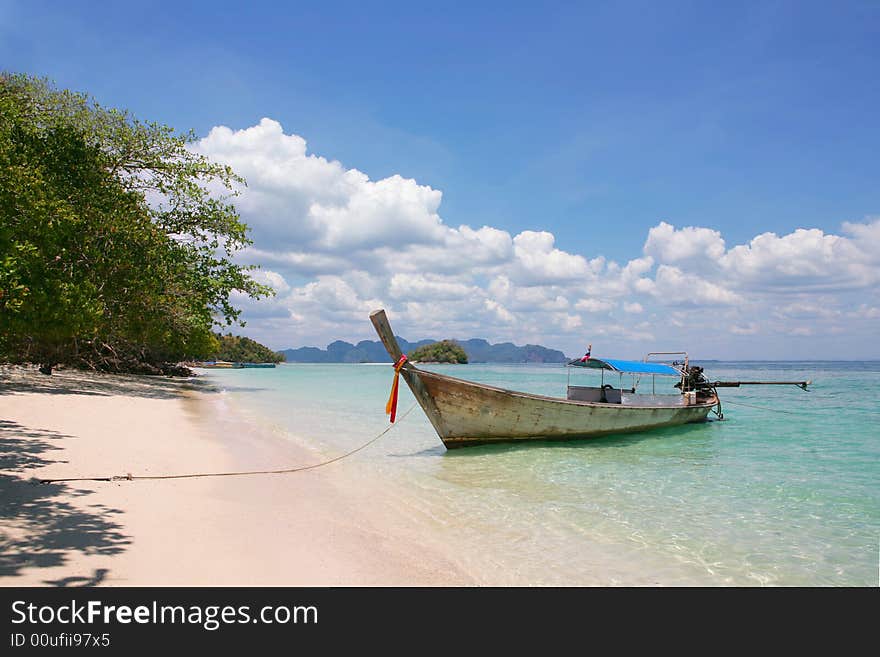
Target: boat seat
[593,394]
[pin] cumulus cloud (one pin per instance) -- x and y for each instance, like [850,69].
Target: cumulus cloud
[302,200]
[335,244]
[537,261]
[749,329]
[690,244]
[420,286]
[675,287]
[591,305]
[807,310]
[271,278]
[567,321]
[330,297]
[864,311]
[454,250]
[866,236]
[806,259]
[500,311]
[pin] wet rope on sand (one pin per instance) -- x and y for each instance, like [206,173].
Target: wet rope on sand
[130,477]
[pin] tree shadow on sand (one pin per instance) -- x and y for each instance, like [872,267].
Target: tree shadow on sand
[38,528]
[74,382]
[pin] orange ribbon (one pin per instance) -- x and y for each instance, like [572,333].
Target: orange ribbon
[391,406]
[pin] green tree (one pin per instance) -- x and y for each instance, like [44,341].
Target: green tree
[446,351]
[239,349]
[116,239]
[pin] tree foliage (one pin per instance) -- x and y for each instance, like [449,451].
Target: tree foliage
[239,349]
[116,239]
[446,351]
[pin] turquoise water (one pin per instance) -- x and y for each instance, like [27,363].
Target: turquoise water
[783,491]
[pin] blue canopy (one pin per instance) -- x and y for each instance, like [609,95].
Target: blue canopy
[627,366]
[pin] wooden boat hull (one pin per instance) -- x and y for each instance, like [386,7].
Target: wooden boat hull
[465,413]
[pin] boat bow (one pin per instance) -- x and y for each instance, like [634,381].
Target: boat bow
[467,413]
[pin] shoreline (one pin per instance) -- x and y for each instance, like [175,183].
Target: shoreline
[400,513]
[409,485]
[303,529]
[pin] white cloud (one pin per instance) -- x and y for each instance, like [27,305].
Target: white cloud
[640,334]
[454,250]
[749,329]
[806,259]
[675,287]
[537,299]
[567,321]
[864,311]
[331,297]
[594,305]
[271,278]
[300,262]
[336,244]
[432,286]
[866,236]
[297,199]
[670,245]
[500,311]
[539,262]
[612,280]
[394,210]
[807,310]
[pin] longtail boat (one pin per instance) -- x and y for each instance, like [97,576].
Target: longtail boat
[466,413]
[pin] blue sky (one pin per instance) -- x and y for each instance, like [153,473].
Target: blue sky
[590,121]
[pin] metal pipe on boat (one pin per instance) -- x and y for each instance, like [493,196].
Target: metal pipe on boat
[736,384]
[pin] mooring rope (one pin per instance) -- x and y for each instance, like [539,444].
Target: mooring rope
[763,408]
[800,412]
[130,477]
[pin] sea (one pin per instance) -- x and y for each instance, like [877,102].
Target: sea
[783,491]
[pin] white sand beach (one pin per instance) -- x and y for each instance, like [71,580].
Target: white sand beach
[269,530]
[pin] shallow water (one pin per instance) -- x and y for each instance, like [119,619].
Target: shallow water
[783,491]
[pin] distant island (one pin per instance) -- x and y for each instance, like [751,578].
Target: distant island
[372,351]
[447,351]
[239,349]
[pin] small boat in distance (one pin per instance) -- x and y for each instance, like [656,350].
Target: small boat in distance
[467,413]
[219,365]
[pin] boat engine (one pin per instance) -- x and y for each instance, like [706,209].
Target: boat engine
[694,379]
